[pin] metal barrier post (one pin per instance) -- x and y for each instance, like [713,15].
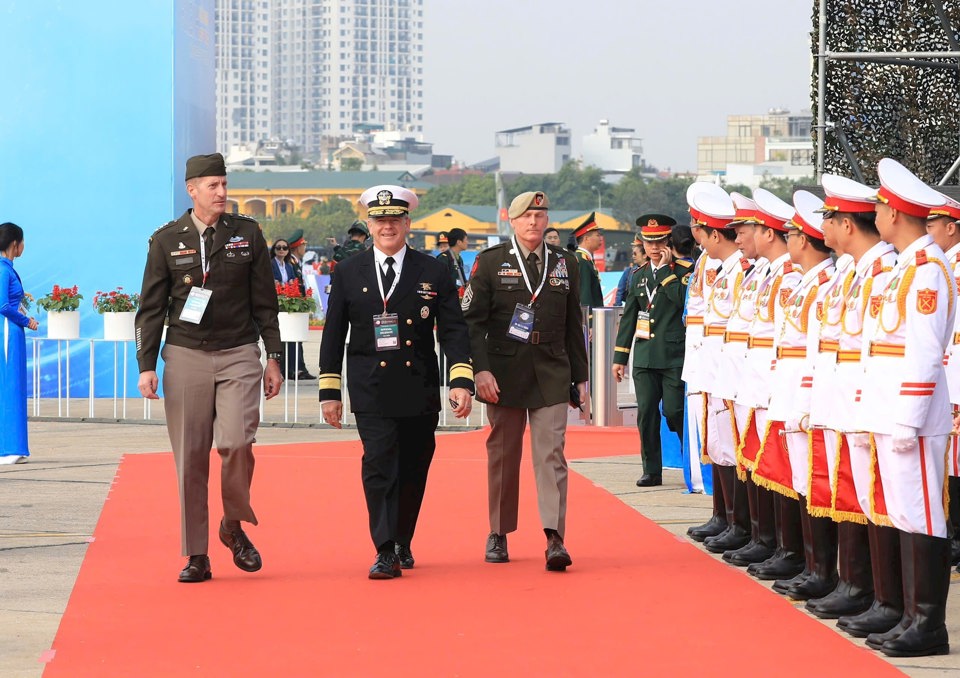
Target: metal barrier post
[606,411]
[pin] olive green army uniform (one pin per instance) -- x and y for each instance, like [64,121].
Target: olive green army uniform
[658,360]
[212,370]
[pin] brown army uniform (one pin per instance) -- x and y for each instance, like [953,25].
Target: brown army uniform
[212,376]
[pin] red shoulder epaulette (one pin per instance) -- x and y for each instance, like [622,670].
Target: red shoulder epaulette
[823,277]
[877,267]
[788,267]
[744,263]
[921,257]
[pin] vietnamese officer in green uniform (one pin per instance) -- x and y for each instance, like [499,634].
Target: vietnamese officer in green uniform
[653,324]
[589,239]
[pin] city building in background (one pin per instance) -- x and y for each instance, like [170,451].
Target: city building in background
[612,149]
[314,72]
[243,73]
[536,149]
[776,144]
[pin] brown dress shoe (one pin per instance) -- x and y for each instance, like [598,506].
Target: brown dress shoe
[558,559]
[197,570]
[245,554]
[497,548]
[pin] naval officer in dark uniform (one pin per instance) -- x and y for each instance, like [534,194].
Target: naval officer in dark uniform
[208,274]
[389,297]
[652,324]
[526,333]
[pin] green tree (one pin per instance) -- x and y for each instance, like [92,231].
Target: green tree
[350,164]
[328,219]
[784,188]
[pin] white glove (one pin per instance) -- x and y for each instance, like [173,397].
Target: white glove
[904,438]
[860,440]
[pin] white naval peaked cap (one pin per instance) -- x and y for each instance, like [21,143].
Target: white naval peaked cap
[807,219]
[950,209]
[388,200]
[713,210]
[698,187]
[746,209]
[846,195]
[902,190]
[774,212]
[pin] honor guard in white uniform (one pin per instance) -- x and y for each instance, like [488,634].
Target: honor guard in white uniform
[786,470]
[719,241]
[905,405]
[698,291]
[943,225]
[849,227]
[760,236]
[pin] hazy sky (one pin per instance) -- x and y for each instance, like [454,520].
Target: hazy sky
[672,69]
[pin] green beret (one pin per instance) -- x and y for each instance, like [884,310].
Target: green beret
[206,166]
[531,200]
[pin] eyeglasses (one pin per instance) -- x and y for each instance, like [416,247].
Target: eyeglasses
[281,248]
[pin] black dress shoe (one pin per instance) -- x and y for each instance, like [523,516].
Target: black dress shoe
[558,559]
[781,565]
[711,528]
[650,480]
[303,375]
[735,537]
[197,570]
[245,554]
[753,552]
[405,556]
[386,566]
[497,548]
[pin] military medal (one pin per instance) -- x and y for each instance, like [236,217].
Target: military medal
[425,312]
[188,279]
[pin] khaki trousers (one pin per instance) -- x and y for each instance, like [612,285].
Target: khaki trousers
[207,396]
[548,427]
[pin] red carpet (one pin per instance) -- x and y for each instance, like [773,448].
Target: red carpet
[635,602]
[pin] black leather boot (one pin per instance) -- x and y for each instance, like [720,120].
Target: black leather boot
[762,535]
[854,593]
[928,583]
[823,577]
[718,521]
[787,561]
[876,640]
[887,607]
[737,533]
[806,546]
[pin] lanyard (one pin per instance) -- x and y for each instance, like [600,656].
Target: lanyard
[656,288]
[523,270]
[396,279]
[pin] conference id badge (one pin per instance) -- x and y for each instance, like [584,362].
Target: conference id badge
[643,326]
[521,324]
[195,305]
[386,332]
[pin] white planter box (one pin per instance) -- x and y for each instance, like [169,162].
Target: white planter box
[119,326]
[63,324]
[294,326]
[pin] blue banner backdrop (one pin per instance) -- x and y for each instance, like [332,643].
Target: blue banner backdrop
[104,101]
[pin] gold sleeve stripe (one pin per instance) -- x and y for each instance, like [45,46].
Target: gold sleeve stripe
[461,371]
[329,382]
[618,349]
[668,279]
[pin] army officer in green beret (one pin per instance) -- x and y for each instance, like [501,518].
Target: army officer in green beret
[652,324]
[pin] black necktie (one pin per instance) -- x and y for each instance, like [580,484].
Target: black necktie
[389,276]
[532,268]
[208,241]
